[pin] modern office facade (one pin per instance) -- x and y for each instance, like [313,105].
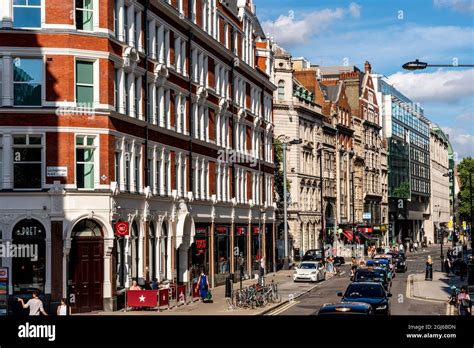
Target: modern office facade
[409,181]
[159,117]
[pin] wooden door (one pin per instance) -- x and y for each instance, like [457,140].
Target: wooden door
[87,274]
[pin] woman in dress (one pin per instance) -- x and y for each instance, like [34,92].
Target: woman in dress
[203,286]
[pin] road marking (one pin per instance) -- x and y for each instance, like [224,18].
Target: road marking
[284,308]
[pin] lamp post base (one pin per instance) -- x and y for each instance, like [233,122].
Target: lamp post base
[286,264]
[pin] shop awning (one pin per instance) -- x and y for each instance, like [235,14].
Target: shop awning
[367,236]
[348,234]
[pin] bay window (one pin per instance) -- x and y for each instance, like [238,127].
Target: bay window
[27,81]
[85,155]
[84,15]
[27,13]
[85,83]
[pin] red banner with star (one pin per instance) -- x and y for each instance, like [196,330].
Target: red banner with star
[142,298]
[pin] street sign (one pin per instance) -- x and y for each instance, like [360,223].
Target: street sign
[121,228]
[367,216]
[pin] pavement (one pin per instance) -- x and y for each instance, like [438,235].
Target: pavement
[288,290]
[438,289]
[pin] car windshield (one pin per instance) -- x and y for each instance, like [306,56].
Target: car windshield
[315,253]
[377,276]
[364,290]
[308,266]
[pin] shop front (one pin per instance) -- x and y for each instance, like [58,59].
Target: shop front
[240,250]
[200,251]
[27,261]
[256,248]
[269,247]
[221,253]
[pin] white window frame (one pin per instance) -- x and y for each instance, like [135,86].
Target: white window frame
[27,6]
[43,80]
[43,158]
[96,146]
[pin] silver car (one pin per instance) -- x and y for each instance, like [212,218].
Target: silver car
[313,271]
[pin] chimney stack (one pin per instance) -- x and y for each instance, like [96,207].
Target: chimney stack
[368,67]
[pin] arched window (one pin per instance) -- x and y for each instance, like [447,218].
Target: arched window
[28,272]
[86,228]
[152,252]
[281,90]
[133,251]
[164,251]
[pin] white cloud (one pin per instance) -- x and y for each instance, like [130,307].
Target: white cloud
[439,86]
[457,5]
[291,30]
[462,142]
[354,10]
[386,47]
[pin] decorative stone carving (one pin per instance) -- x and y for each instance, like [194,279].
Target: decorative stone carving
[6,219]
[130,58]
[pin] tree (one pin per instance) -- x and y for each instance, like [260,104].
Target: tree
[278,161]
[465,167]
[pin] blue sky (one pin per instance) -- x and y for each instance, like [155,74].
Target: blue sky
[389,33]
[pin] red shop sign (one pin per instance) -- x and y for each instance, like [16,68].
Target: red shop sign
[240,231]
[256,230]
[200,244]
[121,228]
[222,229]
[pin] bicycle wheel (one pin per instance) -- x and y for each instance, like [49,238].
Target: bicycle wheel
[276,297]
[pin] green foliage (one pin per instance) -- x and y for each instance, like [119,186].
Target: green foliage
[464,168]
[278,160]
[402,191]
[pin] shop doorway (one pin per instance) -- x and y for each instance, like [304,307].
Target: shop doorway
[86,267]
[183,251]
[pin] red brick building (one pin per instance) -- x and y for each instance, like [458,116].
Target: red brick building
[156,113]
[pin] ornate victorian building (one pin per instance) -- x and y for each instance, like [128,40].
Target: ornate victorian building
[153,113]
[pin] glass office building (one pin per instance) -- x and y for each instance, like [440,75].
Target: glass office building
[408,137]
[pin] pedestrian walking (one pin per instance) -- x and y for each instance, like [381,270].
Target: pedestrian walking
[203,286]
[62,308]
[464,303]
[429,268]
[447,266]
[400,248]
[34,304]
[415,246]
[261,270]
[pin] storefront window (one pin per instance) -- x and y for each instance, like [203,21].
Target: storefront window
[200,251]
[269,248]
[240,248]
[257,243]
[133,251]
[222,249]
[152,252]
[164,251]
[28,267]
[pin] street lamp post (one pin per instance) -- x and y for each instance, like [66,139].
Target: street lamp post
[417,65]
[440,236]
[451,173]
[285,207]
